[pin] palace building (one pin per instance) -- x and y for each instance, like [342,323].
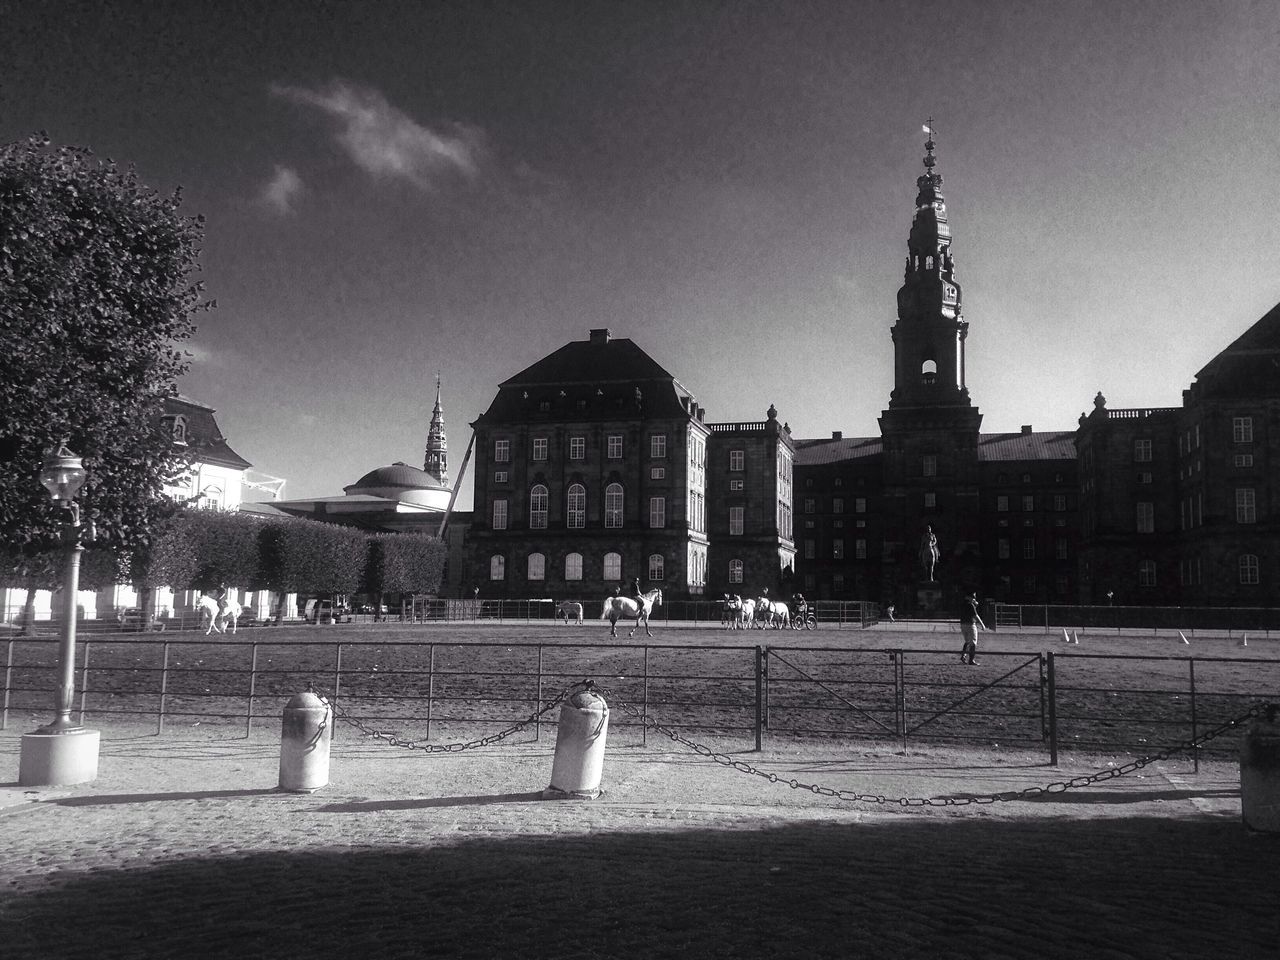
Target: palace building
[595,466]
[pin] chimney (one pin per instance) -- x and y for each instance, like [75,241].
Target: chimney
[1026,429]
[600,335]
[837,434]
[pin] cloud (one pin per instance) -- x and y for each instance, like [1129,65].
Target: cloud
[384,141]
[281,189]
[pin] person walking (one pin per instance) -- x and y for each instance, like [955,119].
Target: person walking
[970,622]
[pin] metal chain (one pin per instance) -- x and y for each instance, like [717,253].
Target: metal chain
[492,738]
[1060,786]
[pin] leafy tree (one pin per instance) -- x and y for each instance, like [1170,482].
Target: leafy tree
[402,563]
[96,292]
[302,556]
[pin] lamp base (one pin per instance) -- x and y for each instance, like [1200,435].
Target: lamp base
[59,759]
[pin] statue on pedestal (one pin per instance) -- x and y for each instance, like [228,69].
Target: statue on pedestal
[928,551]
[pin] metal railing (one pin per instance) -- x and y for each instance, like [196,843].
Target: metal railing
[1050,616]
[1052,701]
[841,613]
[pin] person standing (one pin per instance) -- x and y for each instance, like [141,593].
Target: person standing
[970,623]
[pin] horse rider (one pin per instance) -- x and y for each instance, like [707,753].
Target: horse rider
[797,601]
[635,589]
[220,595]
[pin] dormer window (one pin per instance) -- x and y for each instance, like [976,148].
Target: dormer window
[179,429]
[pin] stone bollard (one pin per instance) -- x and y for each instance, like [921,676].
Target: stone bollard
[304,743]
[1260,774]
[580,738]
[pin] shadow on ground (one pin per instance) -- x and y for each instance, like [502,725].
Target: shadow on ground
[883,888]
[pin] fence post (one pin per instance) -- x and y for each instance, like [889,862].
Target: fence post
[431,684]
[253,681]
[1195,751]
[8,680]
[764,673]
[164,685]
[900,695]
[1044,717]
[84,678]
[644,703]
[1053,713]
[337,684]
[537,723]
[759,694]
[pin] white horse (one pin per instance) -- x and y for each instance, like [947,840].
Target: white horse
[628,608]
[730,607]
[773,612]
[746,614]
[569,609]
[208,608]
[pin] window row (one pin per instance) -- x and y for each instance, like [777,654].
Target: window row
[1028,503]
[575,508]
[540,447]
[1248,570]
[610,571]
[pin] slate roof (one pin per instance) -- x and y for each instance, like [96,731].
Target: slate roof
[596,378]
[203,434]
[1027,446]
[1249,366]
[992,447]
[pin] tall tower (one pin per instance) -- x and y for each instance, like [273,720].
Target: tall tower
[437,461]
[930,429]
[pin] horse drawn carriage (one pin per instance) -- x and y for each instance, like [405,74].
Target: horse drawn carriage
[802,615]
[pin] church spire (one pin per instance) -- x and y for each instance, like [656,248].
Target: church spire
[930,333]
[437,462]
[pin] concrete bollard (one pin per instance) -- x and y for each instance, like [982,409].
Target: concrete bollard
[304,743]
[1260,774]
[580,739]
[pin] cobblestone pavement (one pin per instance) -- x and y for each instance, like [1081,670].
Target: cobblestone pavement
[182,848]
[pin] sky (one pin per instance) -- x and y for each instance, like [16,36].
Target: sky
[396,191]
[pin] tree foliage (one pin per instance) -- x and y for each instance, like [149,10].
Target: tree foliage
[404,563]
[96,293]
[302,556]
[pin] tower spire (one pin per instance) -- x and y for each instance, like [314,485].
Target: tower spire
[437,460]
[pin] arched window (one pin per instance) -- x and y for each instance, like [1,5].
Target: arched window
[577,506]
[538,507]
[1249,571]
[179,429]
[929,372]
[573,566]
[613,505]
[497,567]
[657,567]
[537,566]
[612,567]
[735,571]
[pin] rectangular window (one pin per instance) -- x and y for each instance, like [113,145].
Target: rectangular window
[539,448]
[577,448]
[1249,569]
[1059,502]
[1147,573]
[501,451]
[537,566]
[1028,549]
[1242,429]
[837,505]
[1146,517]
[837,549]
[1142,451]
[860,505]
[657,567]
[837,583]
[737,460]
[1002,548]
[1062,584]
[500,514]
[860,549]
[1243,460]
[1144,476]
[658,446]
[573,566]
[1060,548]
[1028,503]
[735,484]
[614,446]
[1002,503]
[810,549]
[497,567]
[930,501]
[1246,507]
[810,505]
[657,512]
[657,473]
[735,521]
[929,465]
[500,476]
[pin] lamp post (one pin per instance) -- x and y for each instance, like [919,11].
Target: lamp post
[63,752]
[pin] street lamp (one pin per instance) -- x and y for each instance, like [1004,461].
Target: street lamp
[63,752]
